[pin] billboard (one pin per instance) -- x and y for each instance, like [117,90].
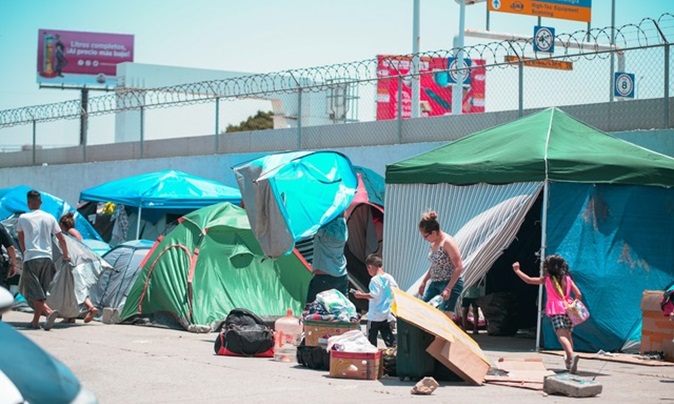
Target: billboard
[576,10]
[81,59]
[436,82]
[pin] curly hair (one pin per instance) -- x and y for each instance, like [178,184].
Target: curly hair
[67,221]
[556,267]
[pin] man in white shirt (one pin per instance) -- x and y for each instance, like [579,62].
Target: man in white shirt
[34,230]
[379,317]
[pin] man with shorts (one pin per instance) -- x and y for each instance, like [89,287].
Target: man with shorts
[34,230]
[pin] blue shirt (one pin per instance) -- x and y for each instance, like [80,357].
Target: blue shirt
[329,245]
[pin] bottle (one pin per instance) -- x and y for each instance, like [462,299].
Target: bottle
[287,336]
[436,301]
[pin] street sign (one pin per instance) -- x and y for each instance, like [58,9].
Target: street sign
[623,85]
[542,63]
[576,10]
[544,39]
[459,72]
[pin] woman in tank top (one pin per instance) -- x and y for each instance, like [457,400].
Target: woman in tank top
[445,267]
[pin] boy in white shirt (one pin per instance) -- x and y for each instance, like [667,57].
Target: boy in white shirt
[379,317]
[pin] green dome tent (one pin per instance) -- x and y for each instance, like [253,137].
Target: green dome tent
[208,265]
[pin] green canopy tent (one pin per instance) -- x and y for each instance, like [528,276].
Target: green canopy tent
[603,205]
[208,265]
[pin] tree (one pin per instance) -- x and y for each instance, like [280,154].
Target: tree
[261,120]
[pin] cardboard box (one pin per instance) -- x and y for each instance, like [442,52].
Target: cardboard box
[316,333]
[355,365]
[657,331]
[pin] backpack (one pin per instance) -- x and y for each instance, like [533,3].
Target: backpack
[244,334]
[667,300]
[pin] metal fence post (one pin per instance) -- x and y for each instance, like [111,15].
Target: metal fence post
[34,139]
[217,125]
[400,108]
[142,131]
[667,121]
[299,118]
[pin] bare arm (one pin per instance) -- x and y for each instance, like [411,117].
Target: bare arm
[455,256]
[75,233]
[11,251]
[526,278]
[360,295]
[576,291]
[64,246]
[19,235]
[424,281]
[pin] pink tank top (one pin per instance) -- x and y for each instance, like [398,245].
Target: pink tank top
[555,305]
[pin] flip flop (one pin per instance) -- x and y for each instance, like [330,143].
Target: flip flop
[90,315]
[51,319]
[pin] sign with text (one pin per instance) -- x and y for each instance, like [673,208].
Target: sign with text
[436,86]
[576,10]
[543,63]
[81,59]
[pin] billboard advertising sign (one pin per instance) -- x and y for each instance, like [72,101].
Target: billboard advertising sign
[435,82]
[576,10]
[81,59]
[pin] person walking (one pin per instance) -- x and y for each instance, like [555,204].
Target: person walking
[379,317]
[8,264]
[558,288]
[34,231]
[446,265]
[67,224]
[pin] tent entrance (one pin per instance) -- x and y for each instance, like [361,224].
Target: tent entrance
[512,304]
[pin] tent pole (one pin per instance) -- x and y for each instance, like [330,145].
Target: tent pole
[544,241]
[140,209]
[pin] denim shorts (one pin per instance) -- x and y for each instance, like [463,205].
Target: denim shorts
[436,287]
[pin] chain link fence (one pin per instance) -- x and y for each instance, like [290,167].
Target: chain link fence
[311,106]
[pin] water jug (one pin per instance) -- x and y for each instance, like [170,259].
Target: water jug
[436,301]
[287,336]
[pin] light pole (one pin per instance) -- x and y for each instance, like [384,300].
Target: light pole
[459,42]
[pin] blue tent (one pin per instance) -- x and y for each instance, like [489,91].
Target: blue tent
[289,196]
[13,200]
[167,191]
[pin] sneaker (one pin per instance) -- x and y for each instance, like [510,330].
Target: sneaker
[51,319]
[573,367]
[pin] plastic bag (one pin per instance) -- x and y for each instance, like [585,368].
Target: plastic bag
[336,303]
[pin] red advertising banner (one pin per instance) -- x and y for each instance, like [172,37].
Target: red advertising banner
[436,88]
[81,58]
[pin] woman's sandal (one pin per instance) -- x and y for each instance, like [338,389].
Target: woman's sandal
[90,315]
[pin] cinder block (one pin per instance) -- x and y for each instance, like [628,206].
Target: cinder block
[570,385]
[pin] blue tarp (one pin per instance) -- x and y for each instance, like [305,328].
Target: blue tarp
[13,200]
[289,196]
[618,242]
[164,190]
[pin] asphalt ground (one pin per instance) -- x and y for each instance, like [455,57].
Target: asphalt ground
[136,364]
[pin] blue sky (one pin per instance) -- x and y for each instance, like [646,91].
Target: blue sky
[256,35]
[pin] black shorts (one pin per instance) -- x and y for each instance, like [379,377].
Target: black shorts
[469,301]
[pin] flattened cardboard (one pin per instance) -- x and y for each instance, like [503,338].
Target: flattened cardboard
[462,354]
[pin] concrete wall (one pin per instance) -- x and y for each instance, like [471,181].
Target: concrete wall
[368,144]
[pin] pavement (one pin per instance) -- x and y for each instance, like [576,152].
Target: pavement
[126,363]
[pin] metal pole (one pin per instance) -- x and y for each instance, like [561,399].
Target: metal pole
[142,132]
[487,22]
[217,125]
[34,139]
[457,90]
[400,108]
[521,89]
[299,118]
[416,42]
[544,241]
[611,89]
[140,209]
[667,122]
[84,108]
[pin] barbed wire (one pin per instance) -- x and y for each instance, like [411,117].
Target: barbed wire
[590,44]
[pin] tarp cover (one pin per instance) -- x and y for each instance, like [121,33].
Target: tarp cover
[548,143]
[289,196]
[13,200]
[618,242]
[166,190]
[210,264]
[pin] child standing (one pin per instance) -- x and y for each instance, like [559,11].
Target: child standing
[379,317]
[558,288]
[470,300]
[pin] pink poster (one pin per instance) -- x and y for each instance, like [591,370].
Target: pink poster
[81,58]
[436,87]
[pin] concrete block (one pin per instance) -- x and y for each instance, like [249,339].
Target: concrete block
[570,385]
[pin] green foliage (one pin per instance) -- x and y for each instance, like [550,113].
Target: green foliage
[261,120]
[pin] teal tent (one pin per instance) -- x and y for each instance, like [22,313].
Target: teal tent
[543,184]
[208,265]
[289,196]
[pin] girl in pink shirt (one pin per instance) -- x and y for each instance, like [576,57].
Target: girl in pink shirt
[556,279]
